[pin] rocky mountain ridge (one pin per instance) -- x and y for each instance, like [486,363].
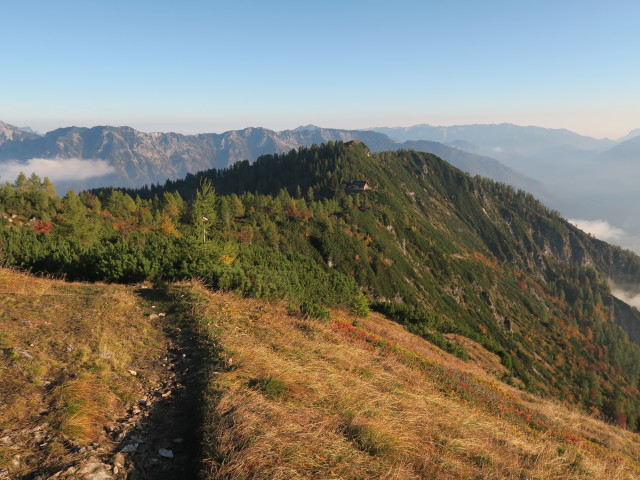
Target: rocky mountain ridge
[12,133]
[143,158]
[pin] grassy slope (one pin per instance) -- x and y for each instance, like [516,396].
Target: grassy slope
[66,351]
[310,399]
[290,397]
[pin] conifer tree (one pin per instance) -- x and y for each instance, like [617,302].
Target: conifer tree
[203,208]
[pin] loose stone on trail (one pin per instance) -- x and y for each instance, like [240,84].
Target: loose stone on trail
[163,452]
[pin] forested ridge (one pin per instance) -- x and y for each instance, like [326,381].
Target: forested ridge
[439,251]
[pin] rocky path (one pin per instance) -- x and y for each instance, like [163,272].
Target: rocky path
[158,438]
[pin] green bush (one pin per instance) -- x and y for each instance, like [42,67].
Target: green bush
[360,306]
[313,310]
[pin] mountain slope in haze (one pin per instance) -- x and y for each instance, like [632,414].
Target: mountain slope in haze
[605,187]
[626,153]
[535,151]
[143,158]
[29,130]
[527,140]
[617,171]
[633,133]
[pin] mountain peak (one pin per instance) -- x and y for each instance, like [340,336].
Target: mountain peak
[310,127]
[11,132]
[633,133]
[29,130]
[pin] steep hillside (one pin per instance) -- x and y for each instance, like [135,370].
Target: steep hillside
[584,178]
[489,262]
[105,381]
[353,397]
[441,252]
[139,158]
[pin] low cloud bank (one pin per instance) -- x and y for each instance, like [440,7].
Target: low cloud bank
[57,169]
[600,229]
[628,294]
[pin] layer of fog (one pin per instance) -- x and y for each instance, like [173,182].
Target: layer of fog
[629,294]
[600,229]
[56,169]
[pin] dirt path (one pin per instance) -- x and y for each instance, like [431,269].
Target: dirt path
[166,425]
[159,438]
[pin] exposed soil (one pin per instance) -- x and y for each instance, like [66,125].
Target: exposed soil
[159,437]
[165,426]
[163,429]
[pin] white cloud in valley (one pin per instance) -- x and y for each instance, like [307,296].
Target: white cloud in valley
[600,229]
[629,294]
[57,169]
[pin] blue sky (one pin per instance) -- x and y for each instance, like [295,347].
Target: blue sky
[196,66]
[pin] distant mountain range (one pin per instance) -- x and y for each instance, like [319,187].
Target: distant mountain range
[582,177]
[141,158]
[504,134]
[624,153]
[532,150]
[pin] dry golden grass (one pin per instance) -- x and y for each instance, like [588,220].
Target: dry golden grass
[293,398]
[304,399]
[65,354]
[82,407]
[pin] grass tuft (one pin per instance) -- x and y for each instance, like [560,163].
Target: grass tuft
[368,437]
[271,387]
[81,409]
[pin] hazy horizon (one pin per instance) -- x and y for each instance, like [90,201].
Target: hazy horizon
[193,129]
[212,67]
